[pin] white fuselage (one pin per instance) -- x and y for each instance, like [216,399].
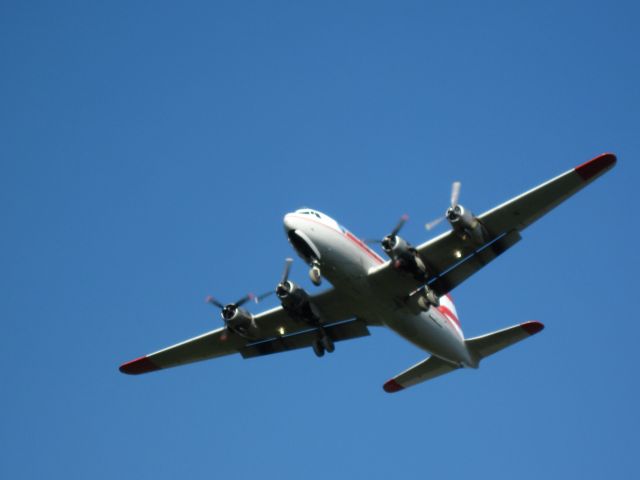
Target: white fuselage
[346,262]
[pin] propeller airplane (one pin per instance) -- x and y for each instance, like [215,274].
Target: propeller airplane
[408,293]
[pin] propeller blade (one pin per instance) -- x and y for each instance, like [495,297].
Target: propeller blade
[213,301]
[455,193]
[287,268]
[371,241]
[245,299]
[400,224]
[434,224]
[264,295]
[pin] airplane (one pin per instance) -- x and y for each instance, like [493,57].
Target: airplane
[408,293]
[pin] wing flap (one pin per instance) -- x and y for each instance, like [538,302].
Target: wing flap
[457,274]
[337,332]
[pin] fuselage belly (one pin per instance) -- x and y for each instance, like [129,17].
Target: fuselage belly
[345,262]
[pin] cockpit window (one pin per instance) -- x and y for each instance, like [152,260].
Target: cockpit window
[309,212]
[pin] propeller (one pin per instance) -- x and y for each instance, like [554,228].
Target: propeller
[452,211]
[229,310]
[389,241]
[284,287]
[210,299]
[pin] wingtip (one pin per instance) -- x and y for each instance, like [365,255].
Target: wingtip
[596,166]
[532,327]
[392,386]
[138,366]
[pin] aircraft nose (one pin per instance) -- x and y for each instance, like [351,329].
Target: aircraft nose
[289,222]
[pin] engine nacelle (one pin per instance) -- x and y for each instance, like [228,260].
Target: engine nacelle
[238,320]
[296,302]
[404,256]
[466,225]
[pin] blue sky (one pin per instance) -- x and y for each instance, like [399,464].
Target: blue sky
[148,152]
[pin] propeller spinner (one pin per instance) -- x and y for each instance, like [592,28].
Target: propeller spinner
[391,240]
[284,287]
[233,316]
[453,212]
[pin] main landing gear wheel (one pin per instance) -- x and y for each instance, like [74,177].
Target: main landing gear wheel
[314,274]
[318,348]
[327,344]
[428,299]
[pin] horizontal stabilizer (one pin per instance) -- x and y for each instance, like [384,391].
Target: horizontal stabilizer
[430,368]
[485,345]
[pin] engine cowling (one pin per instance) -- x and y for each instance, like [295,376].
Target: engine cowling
[463,222]
[296,302]
[404,256]
[238,319]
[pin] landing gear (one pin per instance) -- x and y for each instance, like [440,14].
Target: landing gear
[425,298]
[314,273]
[327,343]
[318,348]
[431,297]
[323,344]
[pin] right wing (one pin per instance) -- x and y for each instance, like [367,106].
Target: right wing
[451,260]
[332,305]
[505,222]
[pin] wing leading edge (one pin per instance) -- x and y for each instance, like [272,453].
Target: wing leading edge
[332,306]
[451,260]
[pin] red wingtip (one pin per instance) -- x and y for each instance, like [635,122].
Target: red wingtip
[139,365]
[392,386]
[532,327]
[595,166]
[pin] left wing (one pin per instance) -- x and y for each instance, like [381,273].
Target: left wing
[451,260]
[336,332]
[332,305]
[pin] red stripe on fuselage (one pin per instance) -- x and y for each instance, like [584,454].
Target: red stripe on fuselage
[449,314]
[350,236]
[363,247]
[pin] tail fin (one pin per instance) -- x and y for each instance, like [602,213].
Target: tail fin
[479,348]
[490,343]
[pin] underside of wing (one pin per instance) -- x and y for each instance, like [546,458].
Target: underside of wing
[451,258]
[336,332]
[331,306]
[275,331]
[209,345]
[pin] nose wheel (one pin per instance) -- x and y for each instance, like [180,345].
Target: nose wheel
[315,274]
